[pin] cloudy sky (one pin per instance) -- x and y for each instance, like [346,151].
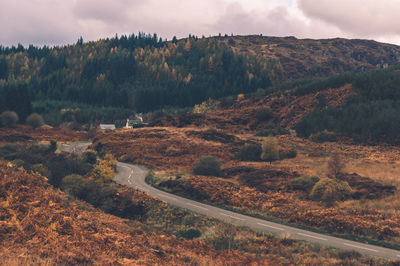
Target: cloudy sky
[57,22]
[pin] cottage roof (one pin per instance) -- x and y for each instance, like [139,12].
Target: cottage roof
[107,126]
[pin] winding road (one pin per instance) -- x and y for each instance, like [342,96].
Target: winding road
[134,176]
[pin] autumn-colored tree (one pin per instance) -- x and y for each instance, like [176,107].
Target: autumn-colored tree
[270,149]
[206,106]
[110,161]
[188,45]
[104,170]
[210,67]
[335,166]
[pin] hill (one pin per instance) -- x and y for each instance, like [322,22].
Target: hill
[40,225]
[111,79]
[302,58]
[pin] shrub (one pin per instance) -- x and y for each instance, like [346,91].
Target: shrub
[10,148]
[329,191]
[206,106]
[102,171]
[323,136]
[18,162]
[110,161]
[250,153]
[207,165]
[189,234]
[100,195]
[288,154]
[92,131]
[35,120]
[227,101]
[65,164]
[73,184]
[9,118]
[126,207]
[270,150]
[304,183]
[52,145]
[90,156]
[264,114]
[172,151]
[41,169]
[271,130]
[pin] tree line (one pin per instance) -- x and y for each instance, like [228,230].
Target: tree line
[372,114]
[138,72]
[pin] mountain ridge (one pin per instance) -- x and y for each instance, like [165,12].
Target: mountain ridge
[325,56]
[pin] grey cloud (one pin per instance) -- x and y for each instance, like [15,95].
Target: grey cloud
[357,17]
[36,22]
[110,11]
[63,21]
[276,21]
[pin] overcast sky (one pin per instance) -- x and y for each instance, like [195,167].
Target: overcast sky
[57,22]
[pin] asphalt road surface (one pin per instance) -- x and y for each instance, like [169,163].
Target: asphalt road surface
[75,147]
[134,176]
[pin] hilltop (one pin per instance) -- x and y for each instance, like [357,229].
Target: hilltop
[301,58]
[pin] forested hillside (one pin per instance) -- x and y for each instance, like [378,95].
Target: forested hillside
[139,73]
[372,113]
[308,58]
[111,79]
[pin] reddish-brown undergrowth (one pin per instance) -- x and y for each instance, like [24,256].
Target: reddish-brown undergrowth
[288,206]
[168,147]
[38,223]
[26,134]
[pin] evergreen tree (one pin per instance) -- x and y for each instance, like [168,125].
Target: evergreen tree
[3,68]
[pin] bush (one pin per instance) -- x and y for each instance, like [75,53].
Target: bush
[52,145]
[189,234]
[272,130]
[35,120]
[323,136]
[126,207]
[102,171]
[329,191]
[41,169]
[288,154]
[264,114]
[250,153]
[18,162]
[270,149]
[10,148]
[207,165]
[66,164]
[110,161]
[73,184]
[90,156]
[9,118]
[304,183]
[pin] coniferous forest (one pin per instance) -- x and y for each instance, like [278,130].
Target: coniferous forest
[372,113]
[113,78]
